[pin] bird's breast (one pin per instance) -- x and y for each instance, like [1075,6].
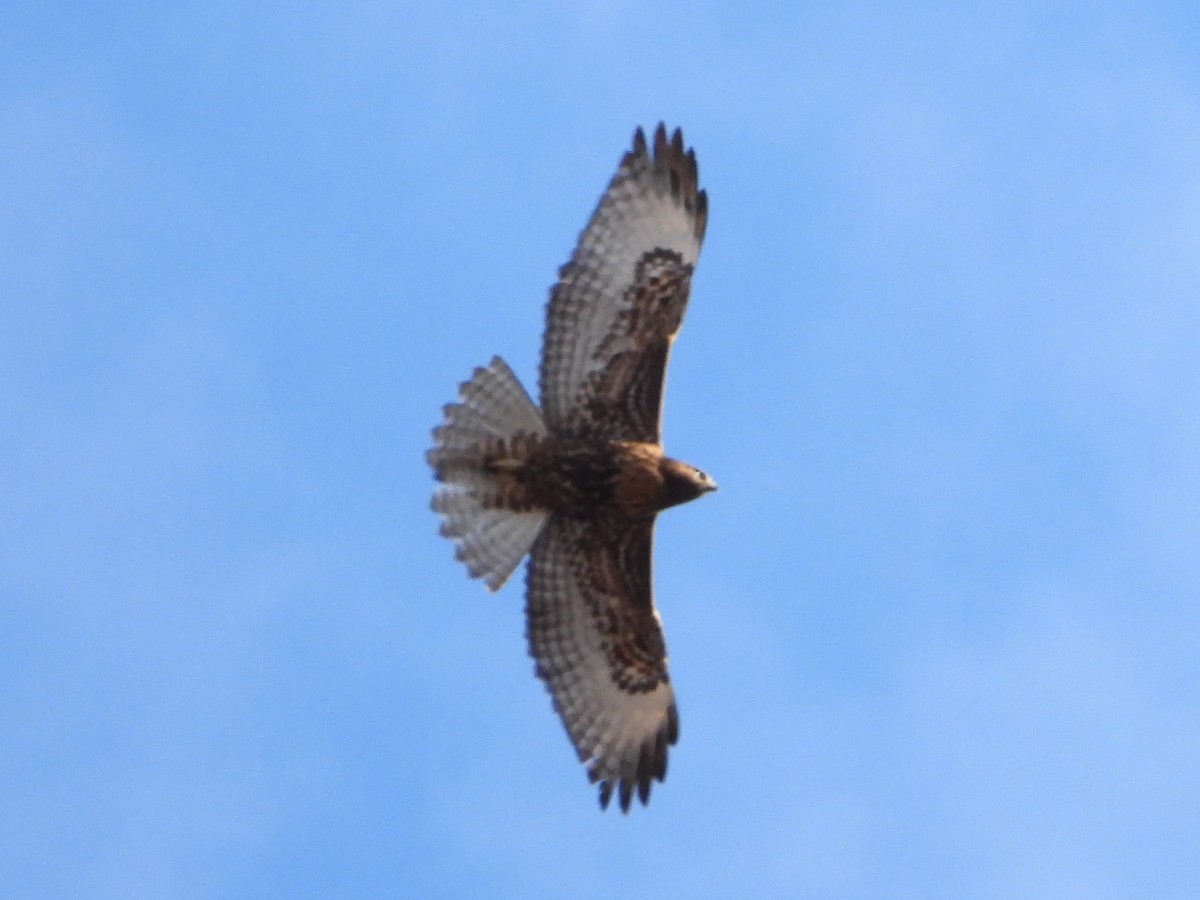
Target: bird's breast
[579,477]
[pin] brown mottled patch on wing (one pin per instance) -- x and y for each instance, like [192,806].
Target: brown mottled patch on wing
[623,399]
[622,295]
[599,648]
[612,567]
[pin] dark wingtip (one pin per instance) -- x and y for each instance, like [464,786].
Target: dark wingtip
[605,793]
[639,142]
[651,767]
[672,726]
[626,790]
[660,140]
[680,169]
[646,769]
[626,794]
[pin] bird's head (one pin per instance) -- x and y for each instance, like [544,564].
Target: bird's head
[684,482]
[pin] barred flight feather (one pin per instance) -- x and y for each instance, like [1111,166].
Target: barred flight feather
[490,540]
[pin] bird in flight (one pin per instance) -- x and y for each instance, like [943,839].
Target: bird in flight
[577,482]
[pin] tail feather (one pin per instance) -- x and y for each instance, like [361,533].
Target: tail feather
[491,540]
[494,401]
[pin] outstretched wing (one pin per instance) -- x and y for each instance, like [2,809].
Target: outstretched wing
[621,298]
[596,637]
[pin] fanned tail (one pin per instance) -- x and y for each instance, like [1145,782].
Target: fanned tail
[494,409]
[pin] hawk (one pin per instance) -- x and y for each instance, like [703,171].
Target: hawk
[578,482]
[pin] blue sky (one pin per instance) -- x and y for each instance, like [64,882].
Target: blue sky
[936,636]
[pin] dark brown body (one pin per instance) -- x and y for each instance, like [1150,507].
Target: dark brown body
[586,478]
